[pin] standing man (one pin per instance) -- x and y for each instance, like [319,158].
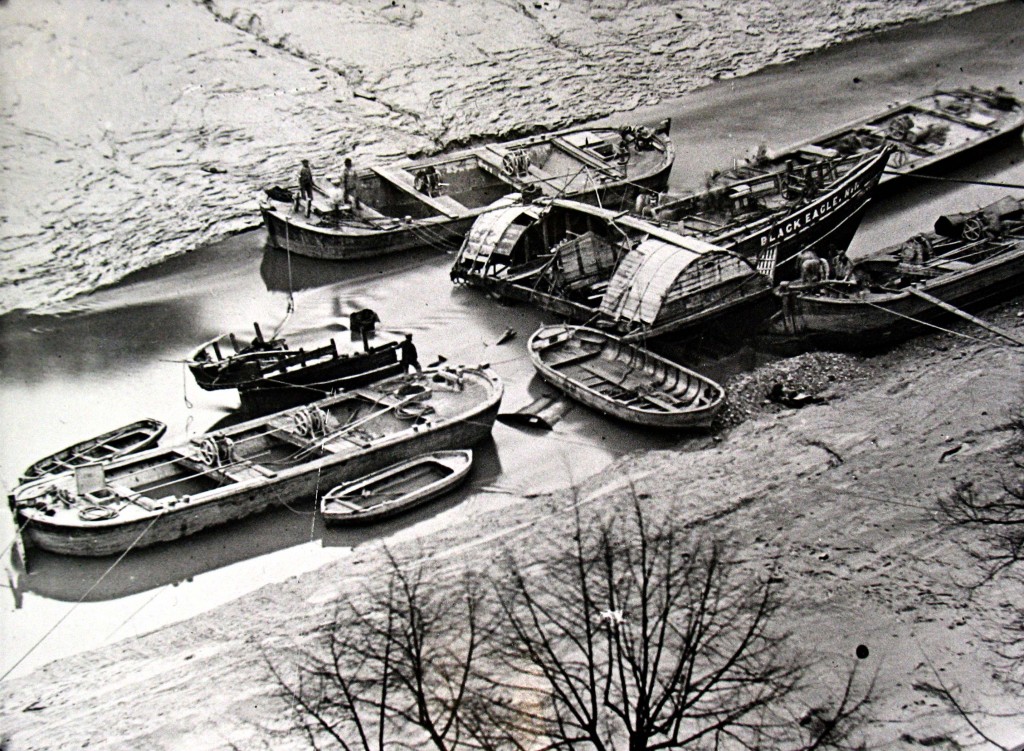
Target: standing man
[305,187]
[350,182]
[409,355]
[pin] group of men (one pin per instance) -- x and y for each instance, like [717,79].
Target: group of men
[344,191]
[814,269]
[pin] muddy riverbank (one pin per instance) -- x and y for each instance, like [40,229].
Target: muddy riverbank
[857,542]
[839,500]
[134,131]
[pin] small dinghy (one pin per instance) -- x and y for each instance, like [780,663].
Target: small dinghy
[122,441]
[623,380]
[397,488]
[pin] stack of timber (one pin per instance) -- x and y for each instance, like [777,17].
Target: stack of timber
[696,258]
[269,376]
[164,494]
[401,209]
[624,381]
[970,259]
[396,489]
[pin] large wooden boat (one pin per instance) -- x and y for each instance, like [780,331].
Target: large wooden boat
[401,209]
[695,258]
[621,380]
[969,259]
[396,489]
[128,439]
[164,494]
[942,127]
[270,376]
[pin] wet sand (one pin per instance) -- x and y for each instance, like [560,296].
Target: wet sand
[113,351]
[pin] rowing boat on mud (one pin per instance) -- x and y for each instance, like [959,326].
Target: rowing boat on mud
[396,489]
[400,210]
[624,381]
[940,128]
[970,259]
[696,258]
[164,494]
[128,439]
[270,376]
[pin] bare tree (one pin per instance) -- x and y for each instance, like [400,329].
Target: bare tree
[631,635]
[393,670]
[636,637]
[998,515]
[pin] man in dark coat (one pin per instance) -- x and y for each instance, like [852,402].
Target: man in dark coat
[305,187]
[410,357]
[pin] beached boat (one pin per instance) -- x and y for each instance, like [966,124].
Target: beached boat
[128,439]
[970,259]
[396,489]
[622,380]
[403,209]
[923,133]
[695,258]
[164,494]
[270,376]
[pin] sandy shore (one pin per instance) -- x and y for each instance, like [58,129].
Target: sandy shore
[841,499]
[134,131]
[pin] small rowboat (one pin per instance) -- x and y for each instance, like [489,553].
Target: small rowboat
[122,441]
[397,488]
[623,380]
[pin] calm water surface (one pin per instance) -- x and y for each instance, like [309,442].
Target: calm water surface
[116,356]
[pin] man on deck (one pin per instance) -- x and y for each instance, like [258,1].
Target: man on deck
[350,182]
[410,357]
[305,187]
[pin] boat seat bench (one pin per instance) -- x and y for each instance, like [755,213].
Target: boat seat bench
[404,181]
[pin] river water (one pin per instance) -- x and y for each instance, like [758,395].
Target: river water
[116,355]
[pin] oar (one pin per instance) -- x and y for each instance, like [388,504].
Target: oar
[965,315]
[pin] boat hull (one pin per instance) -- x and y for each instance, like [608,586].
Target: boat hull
[876,320]
[452,466]
[642,377]
[113,536]
[128,439]
[442,222]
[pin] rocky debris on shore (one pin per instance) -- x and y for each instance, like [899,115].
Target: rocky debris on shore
[820,375]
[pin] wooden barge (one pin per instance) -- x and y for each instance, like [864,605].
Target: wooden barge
[401,211]
[165,494]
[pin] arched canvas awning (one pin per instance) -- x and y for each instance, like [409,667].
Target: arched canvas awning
[496,232]
[656,270]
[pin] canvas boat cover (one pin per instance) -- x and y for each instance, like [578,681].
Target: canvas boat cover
[640,284]
[496,231]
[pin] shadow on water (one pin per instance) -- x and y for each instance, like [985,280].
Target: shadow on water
[72,344]
[71,579]
[282,271]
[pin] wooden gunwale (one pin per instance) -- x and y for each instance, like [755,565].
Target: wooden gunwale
[454,466]
[600,391]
